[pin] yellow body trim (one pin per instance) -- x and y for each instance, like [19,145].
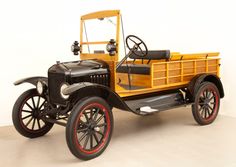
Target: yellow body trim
[179,56]
[127,93]
[100,14]
[105,57]
[94,43]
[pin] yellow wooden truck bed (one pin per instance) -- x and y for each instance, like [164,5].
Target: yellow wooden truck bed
[167,74]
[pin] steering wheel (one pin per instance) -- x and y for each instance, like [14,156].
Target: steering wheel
[139,48]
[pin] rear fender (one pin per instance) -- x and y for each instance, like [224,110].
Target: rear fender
[200,78]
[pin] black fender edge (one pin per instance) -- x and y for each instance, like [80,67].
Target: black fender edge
[86,89]
[31,80]
[200,78]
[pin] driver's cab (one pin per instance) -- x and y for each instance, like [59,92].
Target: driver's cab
[100,39]
[139,69]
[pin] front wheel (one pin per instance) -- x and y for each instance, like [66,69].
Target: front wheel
[26,114]
[89,128]
[206,103]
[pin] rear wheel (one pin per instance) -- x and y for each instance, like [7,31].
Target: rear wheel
[89,128]
[206,103]
[26,114]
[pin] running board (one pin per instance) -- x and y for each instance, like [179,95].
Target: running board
[154,104]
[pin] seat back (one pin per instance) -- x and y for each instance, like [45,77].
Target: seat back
[153,55]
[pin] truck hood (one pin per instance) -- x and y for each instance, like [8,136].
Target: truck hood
[80,68]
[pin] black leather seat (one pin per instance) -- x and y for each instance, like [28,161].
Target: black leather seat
[143,68]
[134,69]
[153,55]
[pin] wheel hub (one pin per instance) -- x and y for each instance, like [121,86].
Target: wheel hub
[92,126]
[206,100]
[35,113]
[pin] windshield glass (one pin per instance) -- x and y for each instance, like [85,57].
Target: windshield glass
[98,30]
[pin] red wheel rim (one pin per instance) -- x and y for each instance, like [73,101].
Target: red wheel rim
[92,128]
[208,103]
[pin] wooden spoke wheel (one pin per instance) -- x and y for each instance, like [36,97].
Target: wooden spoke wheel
[206,103]
[89,128]
[26,114]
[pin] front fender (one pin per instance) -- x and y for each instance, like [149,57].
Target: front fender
[87,89]
[32,80]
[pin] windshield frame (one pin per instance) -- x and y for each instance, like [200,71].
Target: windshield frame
[100,15]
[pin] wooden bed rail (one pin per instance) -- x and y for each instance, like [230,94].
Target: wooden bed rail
[179,56]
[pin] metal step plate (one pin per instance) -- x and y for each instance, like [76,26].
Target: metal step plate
[156,103]
[148,109]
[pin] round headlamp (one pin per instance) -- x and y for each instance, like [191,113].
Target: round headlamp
[64,86]
[40,87]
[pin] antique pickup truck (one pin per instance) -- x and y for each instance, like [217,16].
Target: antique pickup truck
[80,95]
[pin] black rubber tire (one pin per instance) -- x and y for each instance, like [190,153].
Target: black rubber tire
[72,141]
[17,120]
[199,117]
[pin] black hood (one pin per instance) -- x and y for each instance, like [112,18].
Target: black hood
[80,68]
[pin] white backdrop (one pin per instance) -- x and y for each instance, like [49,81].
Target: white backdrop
[34,34]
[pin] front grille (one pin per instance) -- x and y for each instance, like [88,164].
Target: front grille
[102,79]
[55,81]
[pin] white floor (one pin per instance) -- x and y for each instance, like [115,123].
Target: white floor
[169,138]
